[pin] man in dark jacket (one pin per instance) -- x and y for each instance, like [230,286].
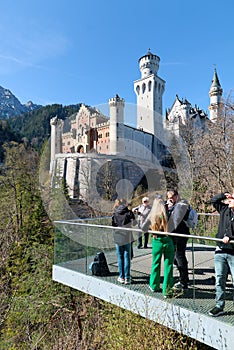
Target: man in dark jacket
[224,253]
[177,211]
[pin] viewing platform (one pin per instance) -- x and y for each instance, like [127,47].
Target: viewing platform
[76,243]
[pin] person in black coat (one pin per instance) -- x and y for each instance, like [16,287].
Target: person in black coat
[178,211]
[123,217]
[224,253]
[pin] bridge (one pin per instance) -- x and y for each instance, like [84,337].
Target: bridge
[76,243]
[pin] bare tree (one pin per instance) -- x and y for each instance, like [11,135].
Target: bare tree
[211,154]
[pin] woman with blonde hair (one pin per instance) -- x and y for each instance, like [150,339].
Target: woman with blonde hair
[162,245]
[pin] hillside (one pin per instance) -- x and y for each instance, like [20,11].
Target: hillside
[35,125]
[6,135]
[28,121]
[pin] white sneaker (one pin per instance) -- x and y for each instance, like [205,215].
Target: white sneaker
[121,280]
[179,286]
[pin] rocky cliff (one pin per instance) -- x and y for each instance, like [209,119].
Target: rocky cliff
[10,106]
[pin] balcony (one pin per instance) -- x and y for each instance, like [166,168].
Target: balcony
[76,243]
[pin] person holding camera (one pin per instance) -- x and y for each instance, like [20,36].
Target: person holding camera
[123,217]
[224,253]
[142,211]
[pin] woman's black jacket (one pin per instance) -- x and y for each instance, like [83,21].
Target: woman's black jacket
[123,217]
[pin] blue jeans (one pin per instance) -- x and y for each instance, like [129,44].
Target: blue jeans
[124,259]
[221,262]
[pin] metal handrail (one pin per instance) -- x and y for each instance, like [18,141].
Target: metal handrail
[174,234]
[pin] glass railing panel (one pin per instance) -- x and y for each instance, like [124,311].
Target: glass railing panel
[78,241]
[207,226]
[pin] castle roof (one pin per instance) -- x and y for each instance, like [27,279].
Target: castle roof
[215,80]
[150,55]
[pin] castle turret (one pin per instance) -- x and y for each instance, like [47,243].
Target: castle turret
[149,90]
[215,93]
[116,105]
[53,124]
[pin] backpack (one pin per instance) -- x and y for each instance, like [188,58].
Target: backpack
[192,220]
[99,266]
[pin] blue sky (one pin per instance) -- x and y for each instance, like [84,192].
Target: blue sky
[57,51]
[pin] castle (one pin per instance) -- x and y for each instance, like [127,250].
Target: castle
[90,138]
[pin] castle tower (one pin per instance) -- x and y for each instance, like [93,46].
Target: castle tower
[149,91]
[53,124]
[116,105]
[215,93]
[55,140]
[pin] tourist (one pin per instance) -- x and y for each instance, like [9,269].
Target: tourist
[123,217]
[142,211]
[162,245]
[224,253]
[177,213]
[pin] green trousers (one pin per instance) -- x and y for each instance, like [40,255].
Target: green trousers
[162,246]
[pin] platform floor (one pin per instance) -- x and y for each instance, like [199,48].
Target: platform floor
[200,296]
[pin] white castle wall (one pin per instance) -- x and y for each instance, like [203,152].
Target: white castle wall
[80,170]
[146,143]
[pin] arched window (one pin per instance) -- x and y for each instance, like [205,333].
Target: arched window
[149,85]
[143,88]
[138,89]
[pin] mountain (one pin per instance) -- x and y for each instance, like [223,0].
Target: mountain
[28,121]
[10,106]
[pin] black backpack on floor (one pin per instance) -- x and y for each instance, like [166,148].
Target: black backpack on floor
[99,265]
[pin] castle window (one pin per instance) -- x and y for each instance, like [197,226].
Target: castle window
[149,85]
[143,88]
[100,136]
[138,89]
[107,134]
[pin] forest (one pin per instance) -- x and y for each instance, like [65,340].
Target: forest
[38,313]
